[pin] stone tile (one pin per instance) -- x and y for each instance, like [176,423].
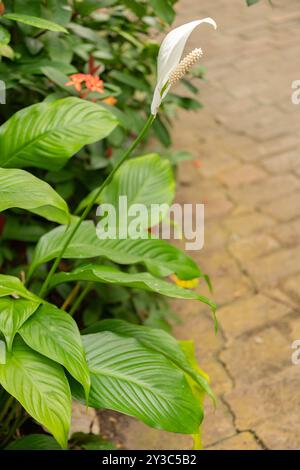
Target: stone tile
[288,234]
[284,208]
[241,441]
[219,378]
[256,194]
[275,399]
[84,420]
[294,329]
[242,174]
[200,329]
[282,163]
[250,314]
[274,267]
[292,288]
[282,433]
[281,144]
[253,247]
[217,425]
[246,224]
[260,355]
[138,436]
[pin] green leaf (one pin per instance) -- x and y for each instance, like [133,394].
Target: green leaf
[59,78]
[145,180]
[130,378]
[58,10]
[34,442]
[35,22]
[90,442]
[162,132]
[46,135]
[251,2]
[18,188]
[4,35]
[6,51]
[163,9]
[155,339]
[188,348]
[144,281]
[10,285]
[130,80]
[41,387]
[13,313]
[53,333]
[2,352]
[158,256]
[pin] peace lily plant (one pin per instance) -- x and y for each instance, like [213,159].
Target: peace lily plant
[169,71]
[45,361]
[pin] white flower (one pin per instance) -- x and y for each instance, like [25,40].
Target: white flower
[169,57]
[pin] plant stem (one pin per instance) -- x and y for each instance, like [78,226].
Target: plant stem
[71,296]
[8,403]
[80,298]
[92,202]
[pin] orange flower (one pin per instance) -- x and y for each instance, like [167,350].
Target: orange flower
[190,284]
[110,100]
[92,83]
[76,81]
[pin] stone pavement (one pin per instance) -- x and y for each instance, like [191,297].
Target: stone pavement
[247,141]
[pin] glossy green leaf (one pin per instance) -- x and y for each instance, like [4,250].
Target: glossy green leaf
[34,442]
[53,333]
[10,285]
[145,281]
[41,387]
[35,22]
[46,135]
[159,257]
[145,180]
[13,313]
[130,378]
[18,188]
[155,339]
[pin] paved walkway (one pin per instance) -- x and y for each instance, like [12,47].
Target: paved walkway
[247,139]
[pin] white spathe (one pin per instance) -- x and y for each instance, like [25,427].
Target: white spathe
[169,56]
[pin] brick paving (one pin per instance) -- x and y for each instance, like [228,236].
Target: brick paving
[247,140]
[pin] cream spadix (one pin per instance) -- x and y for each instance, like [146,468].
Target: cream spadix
[169,67]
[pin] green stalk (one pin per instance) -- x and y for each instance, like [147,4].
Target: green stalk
[80,298]
[89,207]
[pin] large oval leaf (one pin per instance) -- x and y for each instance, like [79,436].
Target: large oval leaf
[35,22]
[46,135]
[145,180]
[145,281]
[13,313]
[158,256]
[18,188]
[41,387]
[53,333]
[130,378]
[155,339]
